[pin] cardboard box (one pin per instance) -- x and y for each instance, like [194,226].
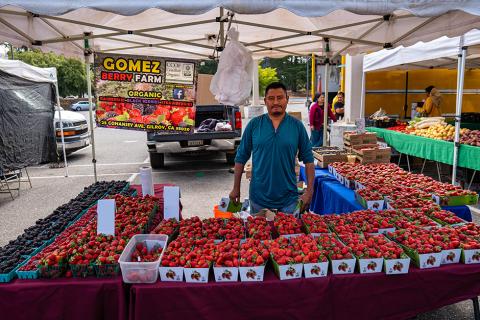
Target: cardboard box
[370,265]
[396,266]
[455,200]
[470,256]
[369,137]
[315,270]
[204,96]
[288,271]
[344,266]
[371,204]
[225,274]
[249,274]
[196,275]
[451,256]
[296,115]
[171,273]
[425,260]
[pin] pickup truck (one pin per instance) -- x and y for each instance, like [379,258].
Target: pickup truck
[226,141]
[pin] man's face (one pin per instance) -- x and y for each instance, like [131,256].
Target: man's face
[276,101]
[340,98]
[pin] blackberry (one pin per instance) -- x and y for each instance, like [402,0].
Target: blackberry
[139,107]
[149,109]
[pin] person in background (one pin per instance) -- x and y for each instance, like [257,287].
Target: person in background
[339,105]
[431,107]
[316,120]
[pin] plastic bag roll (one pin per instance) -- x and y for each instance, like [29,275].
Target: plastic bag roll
[146,180]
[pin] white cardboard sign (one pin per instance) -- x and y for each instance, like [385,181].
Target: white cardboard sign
[171,203]
[106,216]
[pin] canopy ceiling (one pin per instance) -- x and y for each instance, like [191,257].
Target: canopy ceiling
[438,53]
[187,29]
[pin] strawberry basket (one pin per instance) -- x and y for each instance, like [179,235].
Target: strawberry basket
[82,270]
[106,270]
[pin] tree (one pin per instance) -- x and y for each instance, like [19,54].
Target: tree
[71,72]
[265,77]
[291,71]
[208,66]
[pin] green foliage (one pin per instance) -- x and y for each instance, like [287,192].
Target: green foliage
[71,72]
[208,67]
[291,71]
[265,77]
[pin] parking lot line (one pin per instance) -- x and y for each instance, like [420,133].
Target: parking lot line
[126,173]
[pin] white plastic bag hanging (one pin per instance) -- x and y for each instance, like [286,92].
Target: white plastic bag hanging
[232,83]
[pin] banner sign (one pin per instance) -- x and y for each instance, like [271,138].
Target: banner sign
[145,93]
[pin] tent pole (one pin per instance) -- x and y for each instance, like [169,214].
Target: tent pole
[312,85]
[325,105]
[61,128]
[88,54]
[405,107]
[362,97]
[458,110]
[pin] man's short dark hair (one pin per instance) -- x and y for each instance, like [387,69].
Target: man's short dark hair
[340,93]
[275,85]
[429,89]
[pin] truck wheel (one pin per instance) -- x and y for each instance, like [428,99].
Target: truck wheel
[230,156]
[157,160]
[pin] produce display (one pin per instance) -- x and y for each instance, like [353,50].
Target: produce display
[79,251]
[258,228]
[253,253]
[436,128]
[287,224]
[415,229]
[314,223]
[471,137]
[34,238]
[143,254]
[399,188]
[168,227]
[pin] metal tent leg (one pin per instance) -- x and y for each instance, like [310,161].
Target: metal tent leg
[476,308]
[28,176]
[471,180]
[399,159]
[438,171]
[408,163]
[423,165]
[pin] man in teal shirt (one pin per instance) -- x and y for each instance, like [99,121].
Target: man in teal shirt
[274,140]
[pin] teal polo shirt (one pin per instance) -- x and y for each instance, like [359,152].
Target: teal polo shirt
[274,184]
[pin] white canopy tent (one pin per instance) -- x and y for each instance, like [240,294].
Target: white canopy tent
[455,52]
[36,74]
[196,29]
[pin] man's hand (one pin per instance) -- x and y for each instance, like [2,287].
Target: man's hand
[306,199]
[235,195]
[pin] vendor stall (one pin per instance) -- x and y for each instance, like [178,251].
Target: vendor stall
[439,53]
[331,196]
[435,150]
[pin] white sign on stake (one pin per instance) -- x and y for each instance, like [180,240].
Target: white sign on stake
[171,203]
[106,216]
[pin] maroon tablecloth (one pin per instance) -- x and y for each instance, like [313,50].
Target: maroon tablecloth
[91,298]
[72,299]
[373,296]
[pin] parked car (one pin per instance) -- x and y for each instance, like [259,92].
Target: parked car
[71,97]
[81,106]
[75,131]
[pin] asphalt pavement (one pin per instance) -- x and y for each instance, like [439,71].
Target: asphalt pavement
[203,181]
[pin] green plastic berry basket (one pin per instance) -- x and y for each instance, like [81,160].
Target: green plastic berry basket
[107,270]
[82,270]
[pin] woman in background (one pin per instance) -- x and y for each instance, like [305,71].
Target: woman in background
[431,107]
[316,119]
